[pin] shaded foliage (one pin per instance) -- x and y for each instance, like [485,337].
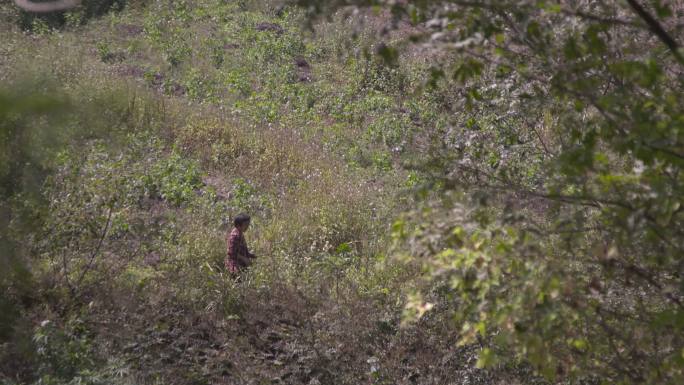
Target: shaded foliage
[566,151]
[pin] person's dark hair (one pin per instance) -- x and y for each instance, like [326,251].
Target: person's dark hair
[240,219]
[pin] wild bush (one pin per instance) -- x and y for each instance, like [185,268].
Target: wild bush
[44,231]
[558,233]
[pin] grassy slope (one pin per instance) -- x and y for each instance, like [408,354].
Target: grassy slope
[185,115]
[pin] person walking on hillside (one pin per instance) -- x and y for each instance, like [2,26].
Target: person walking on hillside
[238,256]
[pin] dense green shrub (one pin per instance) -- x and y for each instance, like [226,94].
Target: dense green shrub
[558,231]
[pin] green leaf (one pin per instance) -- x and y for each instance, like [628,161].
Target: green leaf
[486,359]
[343,248]
[553,8]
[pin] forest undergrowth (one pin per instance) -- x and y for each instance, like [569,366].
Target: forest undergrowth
[151,128]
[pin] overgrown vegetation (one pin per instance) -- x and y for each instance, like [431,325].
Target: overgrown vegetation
[441,192]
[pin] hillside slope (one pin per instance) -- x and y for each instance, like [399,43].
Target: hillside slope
[169,119]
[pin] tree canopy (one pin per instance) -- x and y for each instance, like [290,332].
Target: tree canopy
[559,231]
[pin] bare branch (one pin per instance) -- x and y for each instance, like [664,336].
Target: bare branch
[658,29]
[50,6]
[97,249]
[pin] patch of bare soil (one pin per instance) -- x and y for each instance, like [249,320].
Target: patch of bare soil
[220,184]
[270,27]
[283,336]
[129,30]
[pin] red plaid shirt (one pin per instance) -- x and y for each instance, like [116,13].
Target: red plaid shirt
[238,255]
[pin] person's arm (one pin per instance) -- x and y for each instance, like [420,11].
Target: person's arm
[240,251]
[245,256]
